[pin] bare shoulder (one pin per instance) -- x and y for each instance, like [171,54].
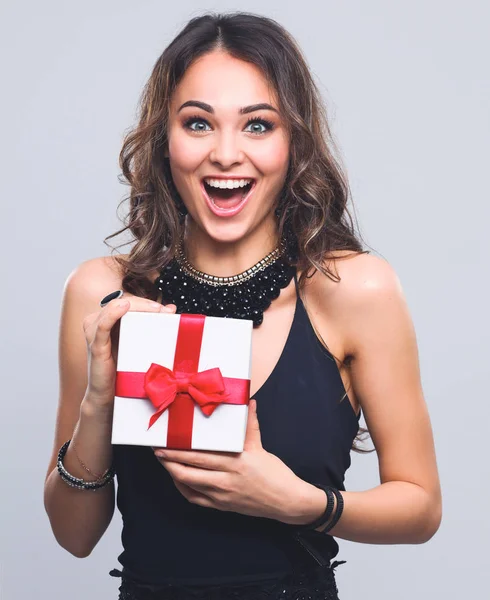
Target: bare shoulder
[369,300]
[96,275]
[86,285]
[363,276]
[367,286]
[94,278]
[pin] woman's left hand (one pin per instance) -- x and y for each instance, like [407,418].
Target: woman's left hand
[253,482]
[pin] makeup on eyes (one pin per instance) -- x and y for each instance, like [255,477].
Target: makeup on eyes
[268,124]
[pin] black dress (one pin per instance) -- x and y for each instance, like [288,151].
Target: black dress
[174,549]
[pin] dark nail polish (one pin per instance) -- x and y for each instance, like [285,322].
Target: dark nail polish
[112,296]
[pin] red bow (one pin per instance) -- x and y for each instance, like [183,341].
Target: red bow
[162,385]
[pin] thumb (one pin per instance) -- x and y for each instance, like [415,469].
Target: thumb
[252,437]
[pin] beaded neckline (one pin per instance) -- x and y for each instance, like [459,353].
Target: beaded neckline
[243,296]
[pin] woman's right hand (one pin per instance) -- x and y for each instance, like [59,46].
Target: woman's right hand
[102,336]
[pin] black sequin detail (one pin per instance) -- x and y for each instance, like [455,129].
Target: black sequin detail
[245,300]
[314,584]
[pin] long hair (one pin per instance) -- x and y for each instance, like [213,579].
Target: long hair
[312,209]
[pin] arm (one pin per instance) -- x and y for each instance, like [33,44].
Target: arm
[406,508]
[78,517]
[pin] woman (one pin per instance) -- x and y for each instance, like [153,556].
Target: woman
[231,163]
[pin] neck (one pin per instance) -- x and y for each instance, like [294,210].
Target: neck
[224,259]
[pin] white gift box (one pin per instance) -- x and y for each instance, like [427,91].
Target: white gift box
[151,338]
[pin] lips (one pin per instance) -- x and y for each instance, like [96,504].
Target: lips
[222,211]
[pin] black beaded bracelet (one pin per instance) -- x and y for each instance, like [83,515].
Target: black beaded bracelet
[76,482]
[338,511]
[328,510]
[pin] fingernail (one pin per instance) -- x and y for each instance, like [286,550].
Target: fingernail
[160,454]
[165,309]
[112,296]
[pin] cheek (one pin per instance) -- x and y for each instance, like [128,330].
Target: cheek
[186,154]
[272,159]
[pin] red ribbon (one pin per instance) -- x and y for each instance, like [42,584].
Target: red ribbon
[179,389]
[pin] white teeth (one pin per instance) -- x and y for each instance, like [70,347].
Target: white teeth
[228,183]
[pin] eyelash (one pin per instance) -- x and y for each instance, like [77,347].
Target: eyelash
[268,124]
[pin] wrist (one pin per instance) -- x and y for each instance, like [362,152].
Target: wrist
[89,453]
[331,518]
[73,479]
[308,505]
[91,408]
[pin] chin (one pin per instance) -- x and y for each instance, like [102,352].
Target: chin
[227,233]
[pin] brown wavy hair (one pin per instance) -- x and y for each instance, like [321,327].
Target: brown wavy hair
[312,207]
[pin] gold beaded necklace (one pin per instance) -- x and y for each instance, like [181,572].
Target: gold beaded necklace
[242,296]
[213,280]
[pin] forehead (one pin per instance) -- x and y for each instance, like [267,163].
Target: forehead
[225,82]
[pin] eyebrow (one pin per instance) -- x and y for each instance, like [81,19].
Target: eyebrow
[243,111]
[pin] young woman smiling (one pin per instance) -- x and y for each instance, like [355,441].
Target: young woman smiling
[232,175]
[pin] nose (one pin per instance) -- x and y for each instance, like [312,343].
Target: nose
[226,150]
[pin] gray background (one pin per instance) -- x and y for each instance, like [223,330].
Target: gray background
[406,84]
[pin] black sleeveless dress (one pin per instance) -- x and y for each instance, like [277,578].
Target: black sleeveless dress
[171,544]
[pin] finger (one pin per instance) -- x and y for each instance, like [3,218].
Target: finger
[170,308]
[110,314]
[112,296]
[145,305]
[200,479]
[219,461]
[255,418]
[114,335]
[138,303]
[106,321]
[252,433]
[194,496]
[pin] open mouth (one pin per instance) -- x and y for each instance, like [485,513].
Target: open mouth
[226,201]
